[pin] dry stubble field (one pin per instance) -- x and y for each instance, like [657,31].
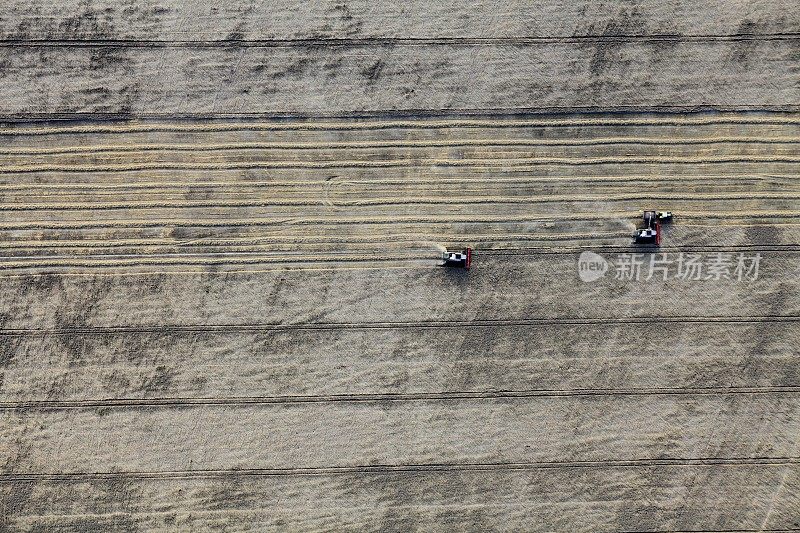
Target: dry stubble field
[241,323]
[215,318]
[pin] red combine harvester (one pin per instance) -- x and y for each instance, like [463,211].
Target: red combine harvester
[651,233]
[457,258]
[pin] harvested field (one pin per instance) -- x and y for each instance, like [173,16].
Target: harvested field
[221,305]
[177,195]
[232,308]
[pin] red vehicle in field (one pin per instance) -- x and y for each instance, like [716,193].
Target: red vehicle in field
[651,233]
[457,258]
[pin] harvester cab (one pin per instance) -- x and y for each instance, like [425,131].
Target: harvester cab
[651,233]
[648,236]
[457,258]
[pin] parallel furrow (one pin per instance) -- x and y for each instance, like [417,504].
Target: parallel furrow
[357,145]
[403,468]
[447,396]
[317,221]
[400,201]
[376,41]
[253,243]
[402,163]
[318,182]
[422,258]
[777,120]
[450,324]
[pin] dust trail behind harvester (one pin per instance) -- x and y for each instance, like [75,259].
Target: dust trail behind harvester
[431,253]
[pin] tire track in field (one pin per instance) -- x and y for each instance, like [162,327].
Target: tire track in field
[410,246]
[400,114]
[487,250]
[610,248]
[401,163]
[318,182]
[208,260]
[378,256]
[415,236]
[397,201]
[420,259]
[381,325]
[341,145]
[349,193]
[414,250]
[384,232]
[112,272]
[732,119]
[404,239]
[446,396]
[387,41]
[406,468]
[316,221]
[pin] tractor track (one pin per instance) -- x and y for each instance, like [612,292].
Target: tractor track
[420,163]
[732,119]
[317,184]
[408,242]
[317,221]
[407,113]
[359,145]
[453,324]
[253,243]
[320,181]
[449,396]
[405,468]
[319,257]
[412,249]
[392,201]
[385,41]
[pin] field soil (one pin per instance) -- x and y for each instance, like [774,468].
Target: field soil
[221,300]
